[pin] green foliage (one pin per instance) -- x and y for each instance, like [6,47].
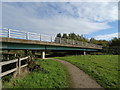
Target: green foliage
[92,40]
[115,42]
[33,66]
[104,43]
[96,53]
[59,35]
[65,36]
[114,47]
[51,75]
[78,37]
[6,78]
[103,68]
[73,36]
[114,50]
[110,47]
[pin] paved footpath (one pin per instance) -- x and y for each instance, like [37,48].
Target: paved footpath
[78,78]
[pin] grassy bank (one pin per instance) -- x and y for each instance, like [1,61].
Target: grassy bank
[103,68]
[52,75]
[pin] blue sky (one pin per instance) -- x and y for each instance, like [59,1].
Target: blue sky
[98,20]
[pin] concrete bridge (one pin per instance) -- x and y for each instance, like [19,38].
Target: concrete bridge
[20,40]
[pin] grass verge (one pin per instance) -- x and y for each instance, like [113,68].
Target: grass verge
[52,75]
[103,68]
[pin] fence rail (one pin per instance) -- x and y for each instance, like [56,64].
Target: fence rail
[17,68]
[10,33]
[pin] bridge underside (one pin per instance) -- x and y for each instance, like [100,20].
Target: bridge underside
[18,46]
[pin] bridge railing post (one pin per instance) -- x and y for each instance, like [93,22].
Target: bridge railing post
[40,37]
[27,35]
[73,42]
[66,41]
[8,33]
[51,38]
[60,40]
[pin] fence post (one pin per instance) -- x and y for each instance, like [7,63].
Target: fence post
[9,33]
[0,69]
[16,72]
[19,65]
[0,77]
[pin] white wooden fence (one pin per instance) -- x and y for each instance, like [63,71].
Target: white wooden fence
[17,68]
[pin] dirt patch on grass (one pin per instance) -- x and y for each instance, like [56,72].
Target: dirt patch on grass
[24,71]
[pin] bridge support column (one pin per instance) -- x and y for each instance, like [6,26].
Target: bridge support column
[84,52]
[43,54]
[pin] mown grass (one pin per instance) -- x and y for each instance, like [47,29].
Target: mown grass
[103,68]
[52,75]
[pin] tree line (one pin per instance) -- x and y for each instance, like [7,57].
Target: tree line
[111,46]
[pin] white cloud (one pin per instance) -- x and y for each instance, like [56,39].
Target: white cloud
[106,36]
[101,12]
[20,18]
[60,0]
[0,15]
[67,25]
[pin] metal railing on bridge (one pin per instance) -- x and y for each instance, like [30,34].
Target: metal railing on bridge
[74,42]
[10,33]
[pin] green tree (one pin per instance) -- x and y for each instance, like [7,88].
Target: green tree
[65,36]
[114,46]
[93,40]
[59,35]
[103,43]
[73,36]
[115,42]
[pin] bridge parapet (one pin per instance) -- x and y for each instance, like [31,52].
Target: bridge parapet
[10,33]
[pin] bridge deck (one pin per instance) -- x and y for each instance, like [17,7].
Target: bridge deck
[35,42]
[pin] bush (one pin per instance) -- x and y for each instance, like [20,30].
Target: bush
[33,66]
